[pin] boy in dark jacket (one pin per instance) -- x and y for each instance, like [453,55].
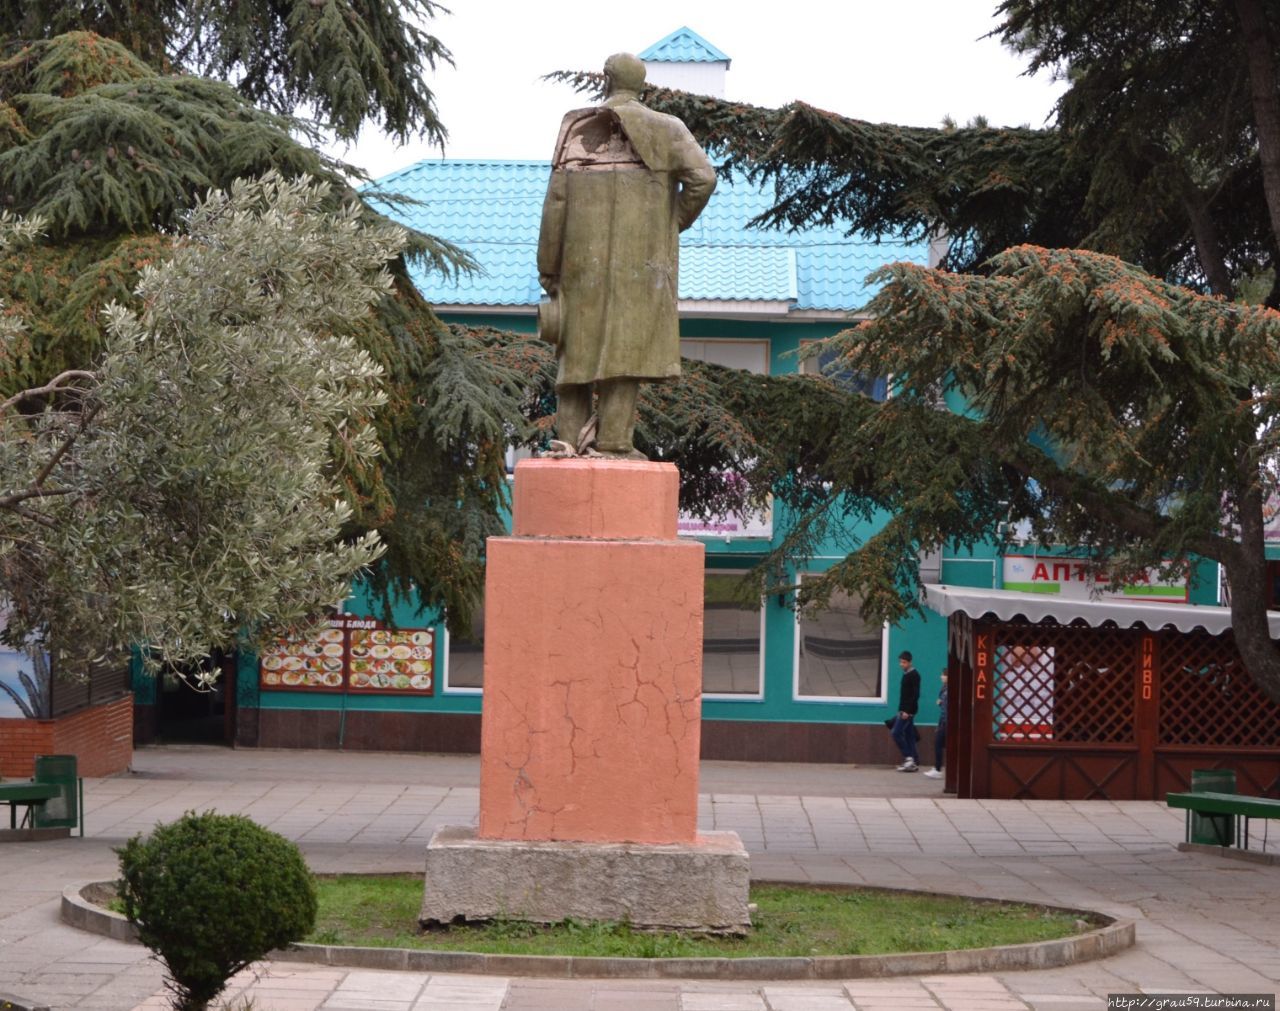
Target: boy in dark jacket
[904,726]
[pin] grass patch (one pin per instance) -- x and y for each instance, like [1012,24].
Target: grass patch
[792,920]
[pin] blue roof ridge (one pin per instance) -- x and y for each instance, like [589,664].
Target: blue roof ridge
[382,181]
[695,50]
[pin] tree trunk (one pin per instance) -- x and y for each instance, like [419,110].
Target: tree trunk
[1208,249]
[1259,55]
[1246,571]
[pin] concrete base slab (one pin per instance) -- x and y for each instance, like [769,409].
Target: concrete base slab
[1227,852]
[689,886]
[33,835]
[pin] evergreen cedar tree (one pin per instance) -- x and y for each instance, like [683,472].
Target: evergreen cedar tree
[353,63]
[111,152]
[1115,403]
[1094,310]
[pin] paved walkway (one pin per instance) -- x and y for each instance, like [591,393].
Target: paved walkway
[1205,924]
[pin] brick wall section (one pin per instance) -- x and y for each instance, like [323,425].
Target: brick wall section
[20,742]
[100,737]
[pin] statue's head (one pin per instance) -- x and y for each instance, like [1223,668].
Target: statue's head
[624,72]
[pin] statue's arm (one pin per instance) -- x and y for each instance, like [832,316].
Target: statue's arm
[697,181]
[551,235]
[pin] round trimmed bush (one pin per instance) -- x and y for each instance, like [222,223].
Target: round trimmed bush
[211,894]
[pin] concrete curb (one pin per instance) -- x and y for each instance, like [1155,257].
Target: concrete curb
[79,909]
[1113,936]
[32,835]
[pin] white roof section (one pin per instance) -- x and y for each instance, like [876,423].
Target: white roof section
[684,60]
[1036,607]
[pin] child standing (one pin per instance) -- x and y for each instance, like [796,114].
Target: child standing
[940,735]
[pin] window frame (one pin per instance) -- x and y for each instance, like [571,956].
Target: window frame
[446,687]
[813,367]
[860,700]
[758,694]
[762,342]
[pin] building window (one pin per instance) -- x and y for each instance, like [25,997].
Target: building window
[732,637]
[751,356]
[839,656]
[748,355]
[514,455]
[875,387]
[465,668]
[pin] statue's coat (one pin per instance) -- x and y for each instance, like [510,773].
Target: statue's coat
[609,244]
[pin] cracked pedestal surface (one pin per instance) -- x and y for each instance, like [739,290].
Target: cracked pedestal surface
[592,660]
[592,709]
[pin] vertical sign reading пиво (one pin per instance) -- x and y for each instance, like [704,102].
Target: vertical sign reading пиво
[1146,716]
[1148,666]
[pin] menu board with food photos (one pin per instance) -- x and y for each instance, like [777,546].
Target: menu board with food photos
[399,661]
[355,655]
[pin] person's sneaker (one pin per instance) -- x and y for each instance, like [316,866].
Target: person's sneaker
[908,766]
[932,773]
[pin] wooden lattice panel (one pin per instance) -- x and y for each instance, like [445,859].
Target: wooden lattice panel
[1075,712]
[1056,684]
[1208,698]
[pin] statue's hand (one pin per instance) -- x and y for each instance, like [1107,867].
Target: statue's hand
[549,283]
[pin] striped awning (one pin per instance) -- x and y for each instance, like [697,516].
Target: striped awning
[1036,607]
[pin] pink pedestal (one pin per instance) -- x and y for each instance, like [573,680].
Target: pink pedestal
[607,500]
[593,659]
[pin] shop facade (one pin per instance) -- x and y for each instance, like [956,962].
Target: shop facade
[1100,699]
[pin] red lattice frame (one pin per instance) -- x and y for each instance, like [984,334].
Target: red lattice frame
[1057,684]
[1208,698]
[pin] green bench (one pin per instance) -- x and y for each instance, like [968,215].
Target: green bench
[28,794]
[53,798]
[1219,808]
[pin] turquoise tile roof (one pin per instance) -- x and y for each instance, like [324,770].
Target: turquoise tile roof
[493,210]
[762,273]
[684,45]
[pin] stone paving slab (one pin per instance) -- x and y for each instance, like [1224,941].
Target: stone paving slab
[1205,924]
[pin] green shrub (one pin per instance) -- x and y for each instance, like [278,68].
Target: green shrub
[211,894]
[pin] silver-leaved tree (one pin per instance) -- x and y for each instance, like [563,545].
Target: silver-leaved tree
[183,492]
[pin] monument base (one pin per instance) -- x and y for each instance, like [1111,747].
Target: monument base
[700,886]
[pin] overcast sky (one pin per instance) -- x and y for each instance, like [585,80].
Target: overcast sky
[899,61]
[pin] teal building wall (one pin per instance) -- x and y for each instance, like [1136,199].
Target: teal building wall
[924,634]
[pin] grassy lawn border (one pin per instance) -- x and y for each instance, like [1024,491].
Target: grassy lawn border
[1109,937]
[790,919]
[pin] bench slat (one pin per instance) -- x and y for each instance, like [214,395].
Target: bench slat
[28,791]
[1226,803]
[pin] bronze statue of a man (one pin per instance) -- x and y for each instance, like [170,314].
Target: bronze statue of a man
[625,181]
